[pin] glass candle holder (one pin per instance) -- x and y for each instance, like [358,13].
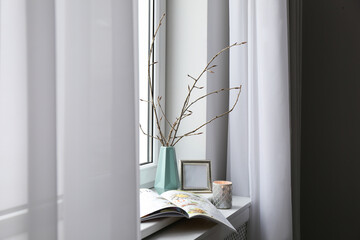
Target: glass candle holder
[222,194]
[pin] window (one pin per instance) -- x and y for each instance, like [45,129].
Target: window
[149,14]
[145,30]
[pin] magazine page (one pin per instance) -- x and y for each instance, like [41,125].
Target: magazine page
[152,205]
[196,206]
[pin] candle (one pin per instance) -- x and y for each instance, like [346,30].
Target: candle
[222,194]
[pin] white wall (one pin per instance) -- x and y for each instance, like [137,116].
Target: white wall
[186,54]
[196,31]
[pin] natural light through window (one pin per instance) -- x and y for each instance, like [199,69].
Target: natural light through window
[149,14]
[145,143]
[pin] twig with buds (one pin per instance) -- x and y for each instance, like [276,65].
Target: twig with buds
[172,139]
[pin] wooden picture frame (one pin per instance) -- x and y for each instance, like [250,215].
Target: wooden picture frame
[196,176]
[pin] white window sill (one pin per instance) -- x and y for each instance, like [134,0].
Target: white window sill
[166,228]
[147,175]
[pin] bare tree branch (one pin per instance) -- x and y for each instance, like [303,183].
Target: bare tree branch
[192,77]
[186,102]
[210,93]
[142,130]
[150,84]
[158,111]
[212,67]
[163,113]
[193,134]
[216,117]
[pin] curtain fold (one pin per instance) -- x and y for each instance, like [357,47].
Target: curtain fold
[100,134]
[68,114]
[41,126]
[261,128]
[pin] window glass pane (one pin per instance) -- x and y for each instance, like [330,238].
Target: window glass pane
[144,17]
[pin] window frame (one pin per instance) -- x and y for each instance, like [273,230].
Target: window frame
[148,170]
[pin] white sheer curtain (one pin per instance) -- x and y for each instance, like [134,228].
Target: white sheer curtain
[259,130]
[68,113]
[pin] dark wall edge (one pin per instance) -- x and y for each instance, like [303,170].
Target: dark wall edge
[295,59]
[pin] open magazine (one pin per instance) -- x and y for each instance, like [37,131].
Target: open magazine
[176,203]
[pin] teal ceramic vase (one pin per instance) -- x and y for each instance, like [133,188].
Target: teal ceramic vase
[167,176]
